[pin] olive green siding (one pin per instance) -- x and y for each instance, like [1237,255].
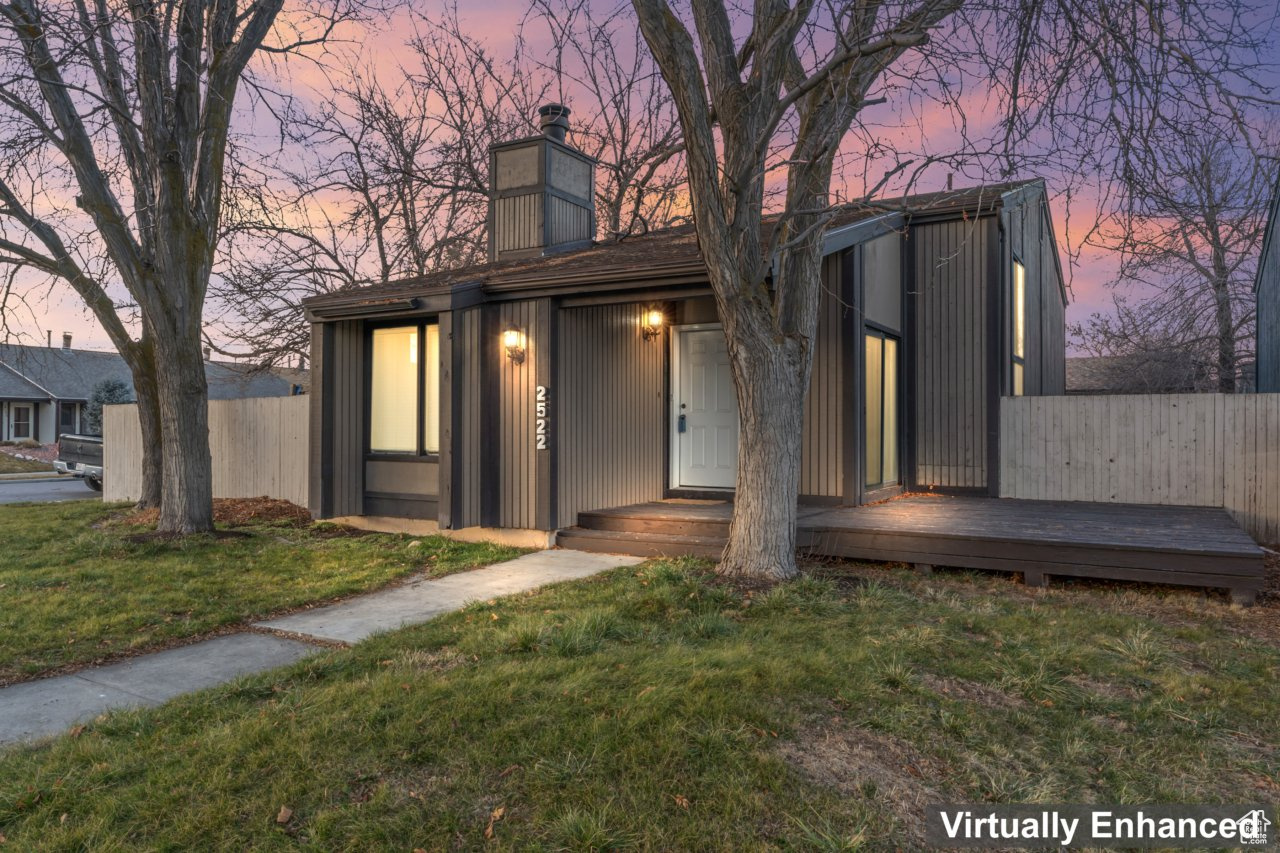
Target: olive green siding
[1031,241]
[468,424]
[821,473]
[952,269]
[512,444]
[337,408]
[1268,294]
[611,410]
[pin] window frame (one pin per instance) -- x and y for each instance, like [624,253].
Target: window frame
[883,333]
[420,454]
[1017,359]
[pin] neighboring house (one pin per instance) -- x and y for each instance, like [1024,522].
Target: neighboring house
[564,376]
[1266,288]
[43,390]
[1163,372]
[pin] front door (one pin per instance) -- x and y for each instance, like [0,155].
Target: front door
[704,438]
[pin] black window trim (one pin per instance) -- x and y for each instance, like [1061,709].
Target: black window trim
[882,332]
[421,455]
[1014,359]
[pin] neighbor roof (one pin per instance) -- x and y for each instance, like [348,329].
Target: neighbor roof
[14,387]
[42,373]
[667,249]
[1158,372]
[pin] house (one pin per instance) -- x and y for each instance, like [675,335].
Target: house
[563,376]
[43,390]
[1266,288]
[1157,372]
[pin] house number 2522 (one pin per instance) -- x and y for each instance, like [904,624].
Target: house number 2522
[542,422]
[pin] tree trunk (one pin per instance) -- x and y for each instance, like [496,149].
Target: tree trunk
[770,381]
[1226,337]
[146,393]
[186,504]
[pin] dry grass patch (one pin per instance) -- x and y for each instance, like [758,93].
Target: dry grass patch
[963,690]
[858,762]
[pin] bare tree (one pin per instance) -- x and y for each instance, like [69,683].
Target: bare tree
[805,72]
[128,108]
[625,115]
[400,182]
[1187,227]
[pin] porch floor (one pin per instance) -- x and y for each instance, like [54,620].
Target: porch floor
[1190,546]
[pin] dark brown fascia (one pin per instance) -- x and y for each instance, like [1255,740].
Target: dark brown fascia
[358,306]
[468,294]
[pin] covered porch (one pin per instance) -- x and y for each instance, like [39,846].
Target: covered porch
[1186,546]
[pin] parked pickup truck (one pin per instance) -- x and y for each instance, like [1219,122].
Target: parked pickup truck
[81,456]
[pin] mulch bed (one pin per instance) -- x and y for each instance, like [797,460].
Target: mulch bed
[43,453]
[236,512]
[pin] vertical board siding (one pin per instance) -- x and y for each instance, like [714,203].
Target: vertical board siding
[466,434]
[951,341]
[518,222]
[610,417]
[1053,312]
[1179,449]
[346,411]
[1268,363]
[569,222]
[259,447]
[517,482]
[821,472]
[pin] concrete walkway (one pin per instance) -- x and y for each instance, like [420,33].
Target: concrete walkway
[36,709]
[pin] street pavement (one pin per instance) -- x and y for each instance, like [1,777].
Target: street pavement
[35,491]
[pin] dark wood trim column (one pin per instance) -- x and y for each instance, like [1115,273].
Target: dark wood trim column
[546,414]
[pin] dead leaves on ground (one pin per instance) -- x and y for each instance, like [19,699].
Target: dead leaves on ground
[494,817]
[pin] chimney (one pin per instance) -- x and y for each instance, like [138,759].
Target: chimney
[949,177]
[541,193]
[66,340]
[554,119]
[208,353]
[48,338]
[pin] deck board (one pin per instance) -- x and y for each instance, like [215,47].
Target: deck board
[1194,546]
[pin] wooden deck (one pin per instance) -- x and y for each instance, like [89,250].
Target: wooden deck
[1189,546]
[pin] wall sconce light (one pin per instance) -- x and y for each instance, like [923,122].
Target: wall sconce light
[653,320]
[513,341]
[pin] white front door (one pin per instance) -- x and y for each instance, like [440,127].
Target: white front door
[704,409]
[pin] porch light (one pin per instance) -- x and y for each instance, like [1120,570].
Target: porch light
[653,320]
[513,341]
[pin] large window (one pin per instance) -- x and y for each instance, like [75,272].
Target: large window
[1019,325]
[881,409]
[404,393]
[22,422]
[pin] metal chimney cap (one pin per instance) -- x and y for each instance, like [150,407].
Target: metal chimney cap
[554,119]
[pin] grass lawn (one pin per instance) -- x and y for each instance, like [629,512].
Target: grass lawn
[73,590]
[654,708]
[13,465]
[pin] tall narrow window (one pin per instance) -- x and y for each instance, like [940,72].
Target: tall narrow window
[404,390]
[881,427]
[431,391]
[1019,325]
[393,398]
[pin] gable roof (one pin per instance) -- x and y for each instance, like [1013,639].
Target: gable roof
[43,373]
[665,253]
[14,387]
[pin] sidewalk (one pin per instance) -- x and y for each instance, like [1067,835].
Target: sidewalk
[45,707]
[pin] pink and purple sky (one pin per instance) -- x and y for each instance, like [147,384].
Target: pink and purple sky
[58,309]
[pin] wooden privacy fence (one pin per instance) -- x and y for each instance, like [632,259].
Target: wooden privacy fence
[1189,449]
[258,445]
